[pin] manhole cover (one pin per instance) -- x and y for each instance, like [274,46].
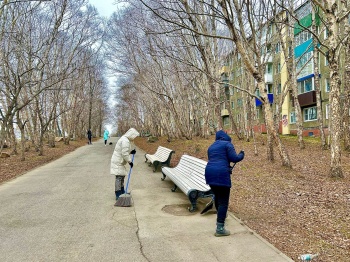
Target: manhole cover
[178,210]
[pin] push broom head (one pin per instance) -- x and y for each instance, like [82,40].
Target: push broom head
[124,200]
[208,207]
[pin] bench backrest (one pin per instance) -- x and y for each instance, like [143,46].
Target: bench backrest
[193,169]
[163,153]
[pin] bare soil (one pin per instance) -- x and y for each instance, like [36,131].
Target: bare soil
[299,210]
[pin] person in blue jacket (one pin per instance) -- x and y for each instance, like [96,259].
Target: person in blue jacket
[106,136]
[218,176]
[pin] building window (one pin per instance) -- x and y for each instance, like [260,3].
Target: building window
[269,68]
[239,102]
[327,111]
[232,105]
[292,118]
[327,85]
[232,76]
[326,59]
[302,37]
[257,113]
[232,91]
[279,88]
[305,86]
[310,114]
[305,58]
[239,118]
[257,92]
[226,120]
[326,33]
[290,51]
[269,89]
[278,68]
[268,48]
[278,47]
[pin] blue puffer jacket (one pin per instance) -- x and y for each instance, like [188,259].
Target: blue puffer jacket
[220,154]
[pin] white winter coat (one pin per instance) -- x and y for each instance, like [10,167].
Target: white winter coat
[121,155]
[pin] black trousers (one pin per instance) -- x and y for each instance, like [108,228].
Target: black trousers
[222,197]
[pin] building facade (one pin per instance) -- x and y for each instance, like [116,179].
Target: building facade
[276,77]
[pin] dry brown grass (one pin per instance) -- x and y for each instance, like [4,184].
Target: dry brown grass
[13,166]
[299,210]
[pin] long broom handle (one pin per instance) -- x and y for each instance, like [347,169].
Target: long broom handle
[127,183]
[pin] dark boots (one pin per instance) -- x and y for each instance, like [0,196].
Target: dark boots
[118,193]
[221,231]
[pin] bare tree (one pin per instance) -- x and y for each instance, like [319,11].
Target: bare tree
[334,16]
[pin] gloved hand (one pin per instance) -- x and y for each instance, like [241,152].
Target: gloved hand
[133,152]
[242,152]
[131,164]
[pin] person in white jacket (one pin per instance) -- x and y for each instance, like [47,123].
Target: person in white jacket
[122,156]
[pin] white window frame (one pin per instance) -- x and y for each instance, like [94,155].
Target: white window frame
[292,119]
[301,86]
[327,86]
[307,114]
[327,111]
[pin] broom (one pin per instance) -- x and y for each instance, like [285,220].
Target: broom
[208,206]
[124,200]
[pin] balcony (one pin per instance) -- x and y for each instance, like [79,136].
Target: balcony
[259,103]
[224,70]
[307,99]
[268,78]
[224,112]
[266,58]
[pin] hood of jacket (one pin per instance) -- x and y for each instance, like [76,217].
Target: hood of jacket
[131,134]
[221,135]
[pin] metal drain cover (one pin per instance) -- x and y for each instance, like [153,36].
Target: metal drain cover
[178,210]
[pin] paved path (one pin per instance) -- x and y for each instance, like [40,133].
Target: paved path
[64,211]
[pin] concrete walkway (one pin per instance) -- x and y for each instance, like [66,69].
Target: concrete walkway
[64,211]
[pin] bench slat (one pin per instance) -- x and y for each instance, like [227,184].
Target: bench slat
[188,174]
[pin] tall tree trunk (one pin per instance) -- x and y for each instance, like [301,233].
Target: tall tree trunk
[317,84]
[336,169]
[271,127]
[346,111]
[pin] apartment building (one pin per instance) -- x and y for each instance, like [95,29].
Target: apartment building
[275,77]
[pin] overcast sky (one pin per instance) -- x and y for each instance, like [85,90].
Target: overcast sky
[104,7]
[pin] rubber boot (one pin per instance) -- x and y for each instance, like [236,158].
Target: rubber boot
[221,231]
[118,193]
[123,190]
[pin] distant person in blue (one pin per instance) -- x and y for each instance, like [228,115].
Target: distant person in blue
[218,176]
[106,136]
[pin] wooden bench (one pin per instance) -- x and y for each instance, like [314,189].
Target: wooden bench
[161,156]
[188,175]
